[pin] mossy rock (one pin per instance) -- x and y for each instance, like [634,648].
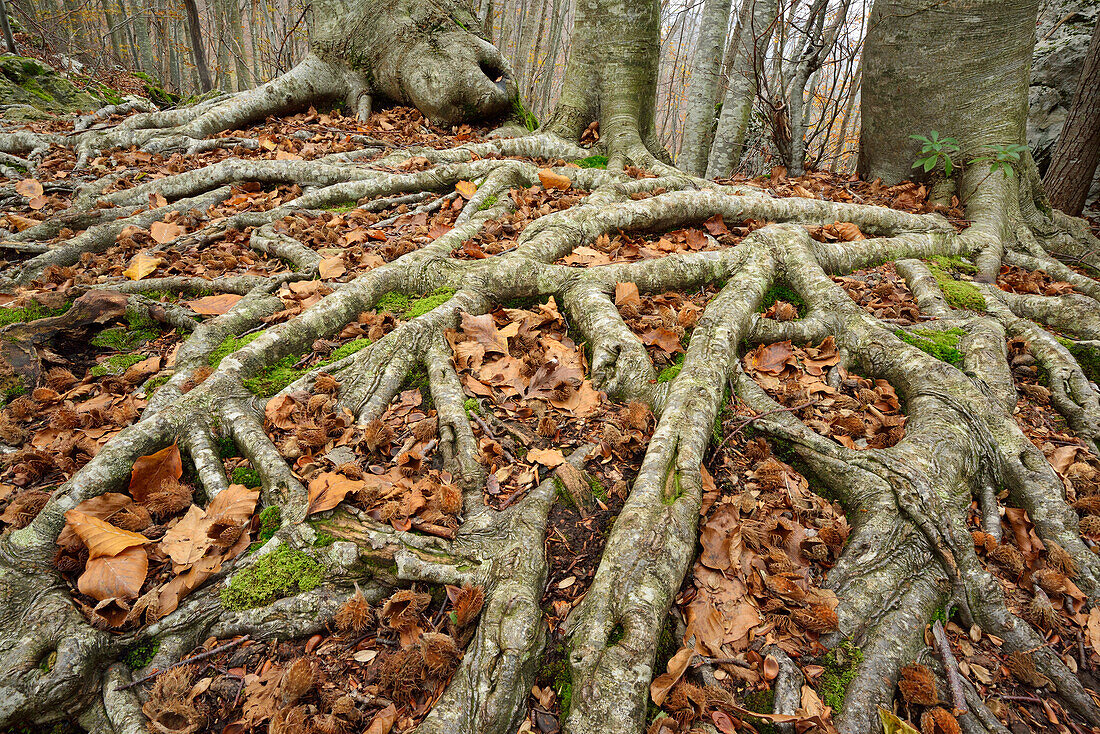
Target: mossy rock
[25,81]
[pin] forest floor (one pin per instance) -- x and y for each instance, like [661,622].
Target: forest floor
[768,532]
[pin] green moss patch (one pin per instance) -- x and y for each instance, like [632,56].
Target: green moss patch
[840,670]
[959,293]
[407,307]
[276,377]
[783,293]
[230,345]
[247,476]
[29,313]
[472,406]
[30,82]
[670,373]
[280,573]
[116,365]
[488,202]
[1087,357]
[593,161]
[940,344]
[141,654]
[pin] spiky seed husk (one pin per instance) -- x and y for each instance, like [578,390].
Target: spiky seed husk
[317,403]
[173,684]
[326,383]
[377,434]
[297,681]
[311,437]
[450,499]
[939,721]
[1050,580]
[985,541]
[23,408]
[64,419]
[425,430]
[547,426]
[1090,505]
[1041,613]
[918,685]
[687,702]
[171,497]
[345,707]
[1059,559]
[26,507]
[327,724]
[467,604]
[817,618]
[355,615]
[637,415]
[1009,558]
[439,653]
[1022,667]
[401,674]
[60,379]
[402,610]
[1090,526]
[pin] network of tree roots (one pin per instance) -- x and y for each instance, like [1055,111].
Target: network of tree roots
[389,428]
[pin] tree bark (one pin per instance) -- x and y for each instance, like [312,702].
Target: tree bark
[1077,154]
[703,88]
[5,25]
[959,68]
[197,48]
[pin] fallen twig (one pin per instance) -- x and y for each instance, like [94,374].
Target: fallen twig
[187,661]
[950,667]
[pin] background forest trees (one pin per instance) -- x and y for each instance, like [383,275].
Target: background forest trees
[796,64]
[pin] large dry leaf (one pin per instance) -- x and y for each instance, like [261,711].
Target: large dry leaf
[141,266]
[663,683]
[213,305]
[466,189]
[102,538]
[546,457]
[115,577]
[485,332]
[383,721]
[233,505]
[331,267]
[102,507]
[328,489]
[551,180]
[626,294]
[187,541]
[150,473]
[29,188]
[165,232]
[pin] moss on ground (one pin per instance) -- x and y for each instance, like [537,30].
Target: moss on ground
[230,345]
[953,263]
[407,307]
[940,344]
[141,654]
[280,573]
[670,373]
[1087,357]
[276,377]
[959,293]
[783,293]
[342,207]
[840,670]
[593,161]
[271,517]
[247,476]
[28,81]
[472,406]
[488,202]
[29,313]
[556,672]
[762,702]
[116,365]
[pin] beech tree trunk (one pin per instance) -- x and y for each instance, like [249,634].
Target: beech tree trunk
[1077,154]
[703,88]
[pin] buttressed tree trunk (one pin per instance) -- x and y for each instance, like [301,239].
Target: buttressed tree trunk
[611,78]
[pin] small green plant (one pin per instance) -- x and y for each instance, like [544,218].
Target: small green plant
[488,202]
[524,115]
[935,151]
[407,307]
[1001,158]
[270,519]
[282,572]
[472,406]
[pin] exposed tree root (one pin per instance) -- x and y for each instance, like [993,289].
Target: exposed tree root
[909,551]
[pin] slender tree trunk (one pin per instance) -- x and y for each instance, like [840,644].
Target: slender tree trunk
[235,42]
[817,49]
[195,30]
[142,40]
[551,64]
[757,23]
[9,41]
[1077,153]
[703,88]
[111,19]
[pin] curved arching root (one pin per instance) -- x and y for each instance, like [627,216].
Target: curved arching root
[909,551]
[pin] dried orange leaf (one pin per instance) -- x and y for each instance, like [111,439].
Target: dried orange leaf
[466,188]
[151,472]
[115,577]
[29,188]
[141,266]
[164,232]
[663,683]
[37,202]
[233,505]
[546,457]
[552,180]
[102,538]
[331,267]
[213,305]
[328,489]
